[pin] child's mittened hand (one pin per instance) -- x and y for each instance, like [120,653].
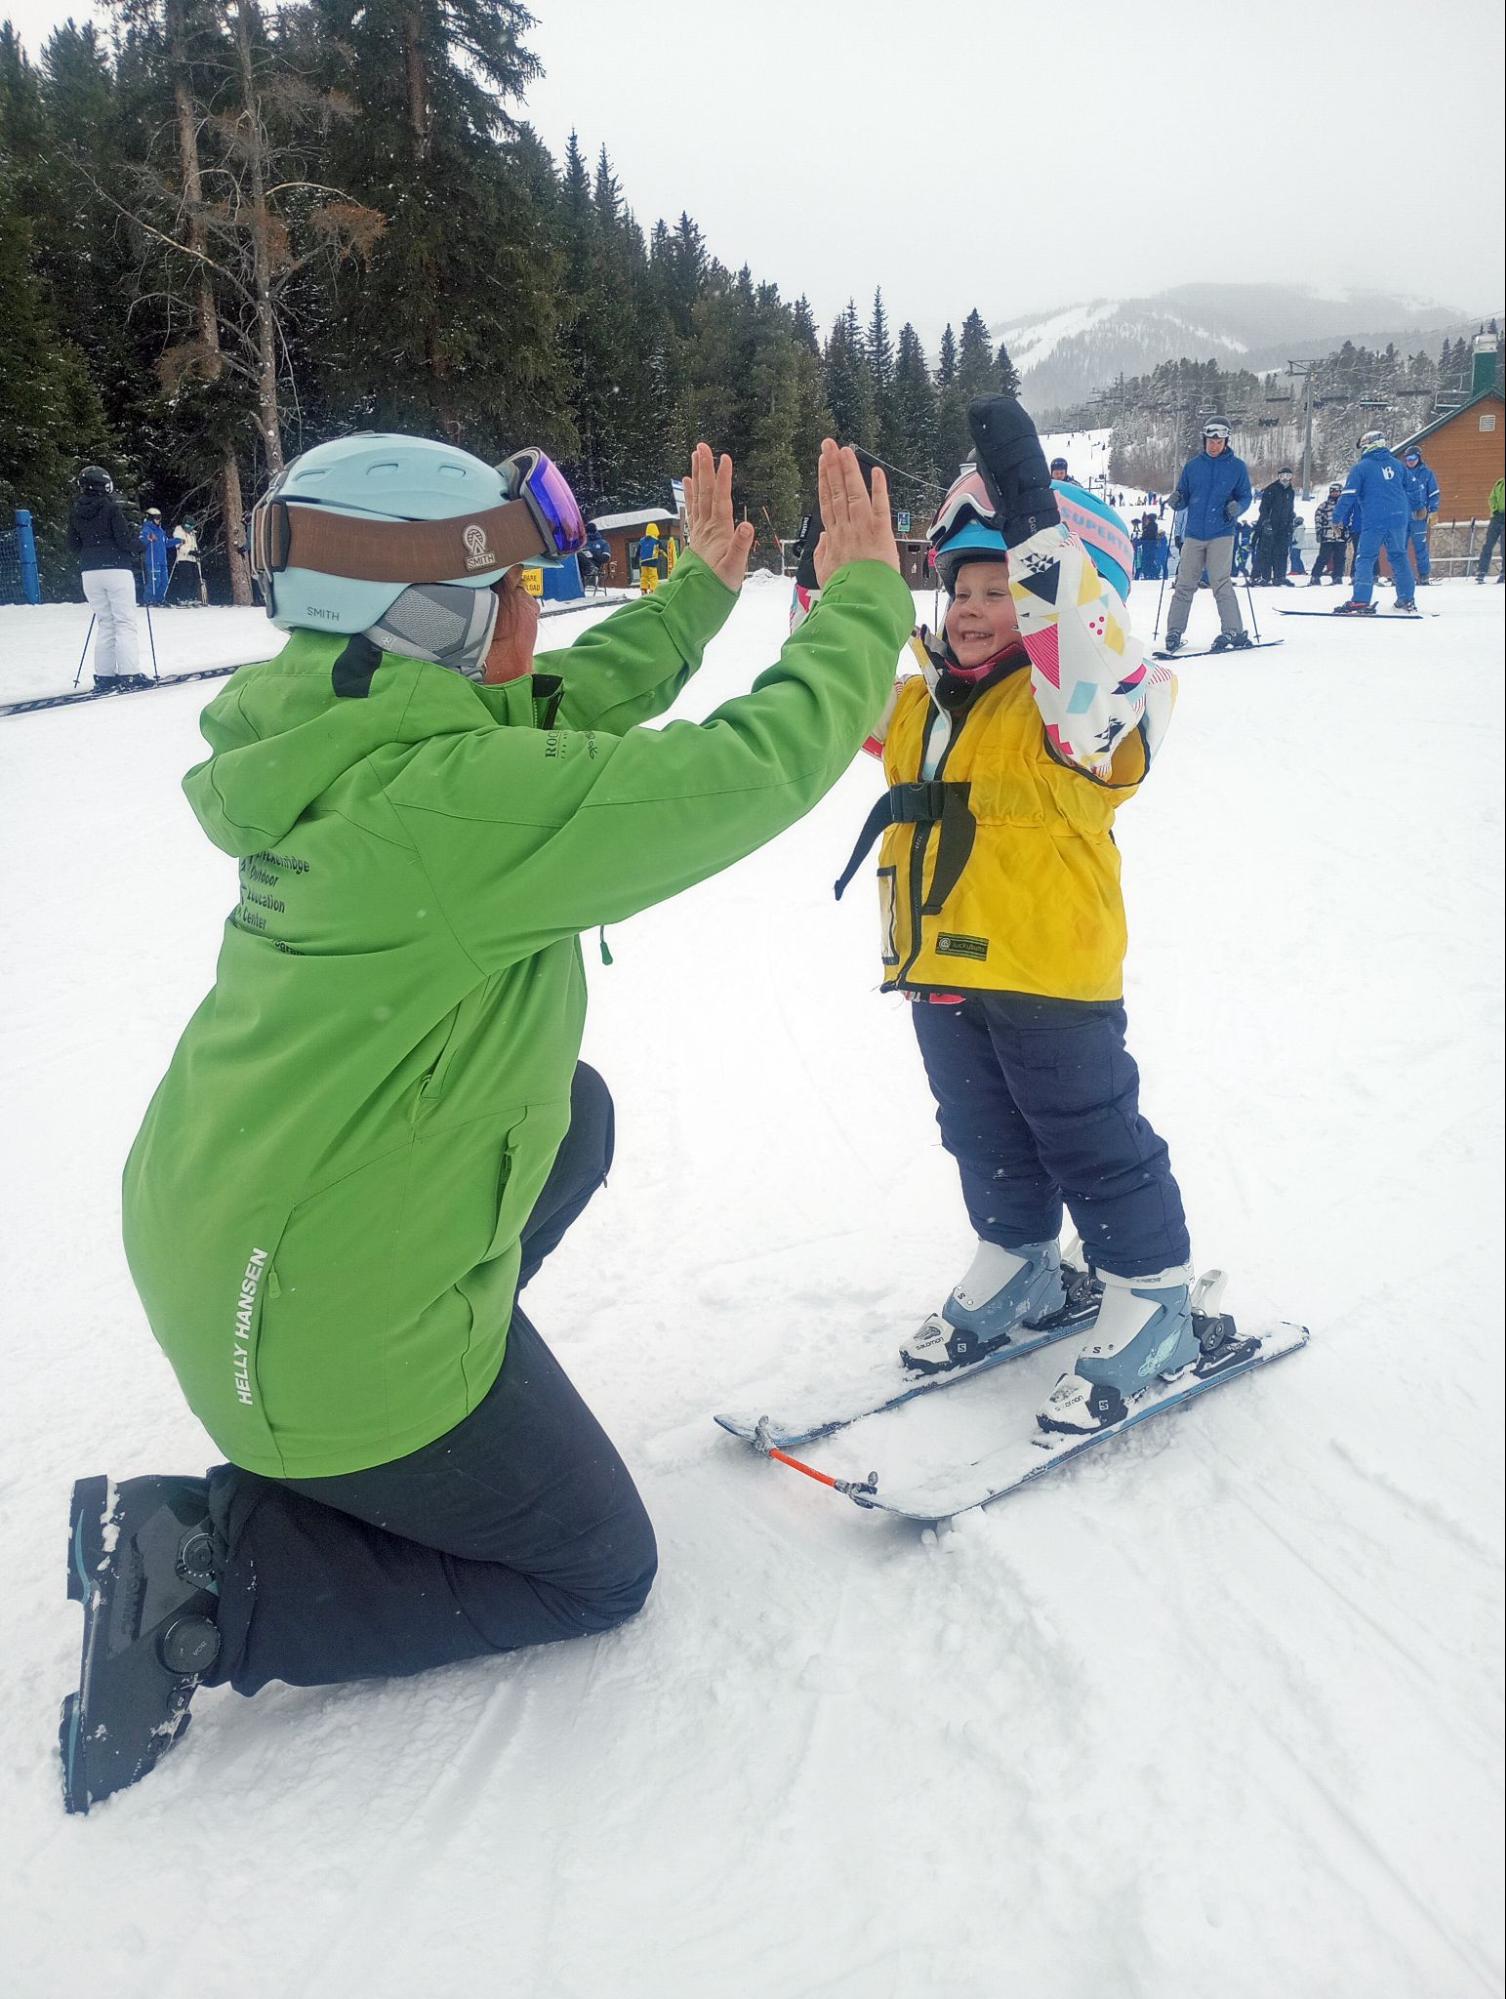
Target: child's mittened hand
[1015,466]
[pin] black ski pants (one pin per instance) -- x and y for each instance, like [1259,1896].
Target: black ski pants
[1038,1101]
[1329,560]
[1271,555]
[519,1526]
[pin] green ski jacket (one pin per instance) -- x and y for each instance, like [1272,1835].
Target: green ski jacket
[323,1205]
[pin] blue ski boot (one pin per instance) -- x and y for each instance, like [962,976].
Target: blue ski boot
[1145,1333]
[141,1561]
[1027,1286]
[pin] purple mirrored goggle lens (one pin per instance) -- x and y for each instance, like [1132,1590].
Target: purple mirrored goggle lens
[534,477]
[968,500]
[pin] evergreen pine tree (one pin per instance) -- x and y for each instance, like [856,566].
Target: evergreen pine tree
[849,382]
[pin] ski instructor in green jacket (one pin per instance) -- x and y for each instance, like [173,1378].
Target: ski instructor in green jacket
[376,1127]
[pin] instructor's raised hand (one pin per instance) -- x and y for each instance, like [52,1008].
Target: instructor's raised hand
[723,544]
[855,524]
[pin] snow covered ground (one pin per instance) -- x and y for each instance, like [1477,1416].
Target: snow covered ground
[1214,1713]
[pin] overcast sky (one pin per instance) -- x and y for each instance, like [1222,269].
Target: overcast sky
[1025,156]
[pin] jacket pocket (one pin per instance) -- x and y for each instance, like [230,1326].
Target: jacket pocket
[888,916]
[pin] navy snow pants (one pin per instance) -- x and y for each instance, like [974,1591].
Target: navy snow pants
[1038,1103]
[519,1526]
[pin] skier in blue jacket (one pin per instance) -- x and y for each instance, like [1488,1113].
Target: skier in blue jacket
[154,547]
[1375,502]
[1425,498]
[1214,488]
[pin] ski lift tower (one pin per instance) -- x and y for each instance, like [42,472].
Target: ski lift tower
[1302,373]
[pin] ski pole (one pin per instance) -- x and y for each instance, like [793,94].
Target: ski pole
[151,641]
[1254,621]
[85,653]
[1156,631]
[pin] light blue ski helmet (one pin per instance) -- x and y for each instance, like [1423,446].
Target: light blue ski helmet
[972,542]
[377,476]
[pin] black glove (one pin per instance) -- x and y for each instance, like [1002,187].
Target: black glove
[1013,466]
[804,549]
[1232,510]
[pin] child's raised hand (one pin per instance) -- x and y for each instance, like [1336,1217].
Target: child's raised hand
[856,525]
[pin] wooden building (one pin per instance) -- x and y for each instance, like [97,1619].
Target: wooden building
[1466,447]
[623,533]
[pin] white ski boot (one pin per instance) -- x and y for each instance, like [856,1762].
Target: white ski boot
[1145,1333]
[1029,1286]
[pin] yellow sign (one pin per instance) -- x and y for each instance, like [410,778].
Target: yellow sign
[533,582]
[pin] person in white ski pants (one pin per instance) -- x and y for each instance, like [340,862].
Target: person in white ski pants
[111,596]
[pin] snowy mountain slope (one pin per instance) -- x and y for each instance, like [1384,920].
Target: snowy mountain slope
[1063,356]
[1216,1713]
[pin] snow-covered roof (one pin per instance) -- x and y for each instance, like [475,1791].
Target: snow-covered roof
[606,522]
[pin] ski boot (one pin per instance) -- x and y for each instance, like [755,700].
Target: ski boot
[1407,606]
[141,1561]
[1030,1288]
[1149,1329]
[1354,609]
[1170,644]
[1223,643]
[107,683]
[1241,642]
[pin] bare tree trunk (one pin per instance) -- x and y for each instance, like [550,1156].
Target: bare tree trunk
[232,506]
[418,82]
[268,414]
[235,531]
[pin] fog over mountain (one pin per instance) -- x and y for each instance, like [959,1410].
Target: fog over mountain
[1064,356]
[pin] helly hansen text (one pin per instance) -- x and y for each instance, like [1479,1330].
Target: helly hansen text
[245,1313]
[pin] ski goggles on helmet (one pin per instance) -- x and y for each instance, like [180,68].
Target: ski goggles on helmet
[967,501]
[1216,430]
[539,520]
[534,478]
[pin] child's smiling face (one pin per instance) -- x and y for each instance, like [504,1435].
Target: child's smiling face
[980,620]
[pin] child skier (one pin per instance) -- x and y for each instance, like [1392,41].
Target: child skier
[1035,715]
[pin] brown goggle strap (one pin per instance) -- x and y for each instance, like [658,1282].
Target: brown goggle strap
[290,536]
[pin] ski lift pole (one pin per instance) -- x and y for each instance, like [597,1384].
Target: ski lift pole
[85,653]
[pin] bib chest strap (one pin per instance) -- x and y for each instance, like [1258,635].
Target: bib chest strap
[926,803]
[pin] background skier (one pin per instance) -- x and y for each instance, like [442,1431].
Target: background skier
[650,560]
[375,1128]
[185,581]
[1493,533]
[1425,498]
[154,553]
[1332,537]
[105,544]
[1214,488]
[1376,501]
[1273,529]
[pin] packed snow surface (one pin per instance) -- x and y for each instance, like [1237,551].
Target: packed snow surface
[1214,1713]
